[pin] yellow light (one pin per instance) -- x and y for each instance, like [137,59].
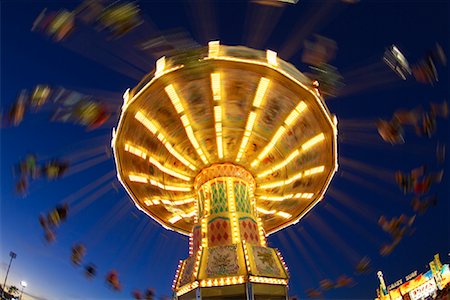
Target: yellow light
[318,138]
[315,170]
[146,122]
[247,261]
[275,198]
[283,214]
[153,129]
[271,57]
[295,113]
[269,280]
[168,171]
[175,219]
[270,145]
[215,85]
[266,212]
[213,48]
[280,165]
[170,90]
[179,156]
[188,215]
[205,231]
[232,206]
[218,126]
[137,178]
[134,150]
[289,121]
[222,281]
[187,287]
[250,121]
[247,133]
[297,176]
[304,195]
[218,113]
[185,121]
[183,201]
[179,268]
[126,95]
[160,66]
[219,147]
[261,91]
[273,184]
[144,179]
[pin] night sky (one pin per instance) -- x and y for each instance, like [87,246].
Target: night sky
[327,243]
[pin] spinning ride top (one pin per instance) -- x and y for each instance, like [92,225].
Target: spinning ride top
[226,144]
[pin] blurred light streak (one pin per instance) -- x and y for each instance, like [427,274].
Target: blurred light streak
[304,254]
[79,192]
[85,165]
[381,80]
[329,264]
[372,170]
[334,239]
[88,153]
[114,215]
[123,257]
[109,98]
[356,73]
[364,140]
[291,253]
[203,15]
[142,246]
[89,200]
[88,44]
[378,188]
[368,213]
[260,22]
[344,218]
[87,143]
[357,125]
[317,17]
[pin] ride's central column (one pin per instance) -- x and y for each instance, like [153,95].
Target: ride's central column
[228,244]
[226,208]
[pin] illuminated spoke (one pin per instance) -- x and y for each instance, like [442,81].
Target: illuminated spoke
[305,146]
[143,154]
[154,130]
[170,90]
[293,116]
[289,196]
[142,178]
[266,212]
[158,201]
[274,212]
[259,96]
[290,180]
[217,97]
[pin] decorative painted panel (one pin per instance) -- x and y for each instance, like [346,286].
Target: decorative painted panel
[266,261]
[222,261]
[188,271]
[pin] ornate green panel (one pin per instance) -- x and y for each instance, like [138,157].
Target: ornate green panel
[219,201]
[242,198]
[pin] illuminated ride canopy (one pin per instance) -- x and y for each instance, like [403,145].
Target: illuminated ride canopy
[226,145]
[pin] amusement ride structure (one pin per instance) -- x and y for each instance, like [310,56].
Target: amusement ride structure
[226,144]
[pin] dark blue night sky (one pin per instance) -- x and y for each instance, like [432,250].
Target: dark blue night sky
[328,242]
